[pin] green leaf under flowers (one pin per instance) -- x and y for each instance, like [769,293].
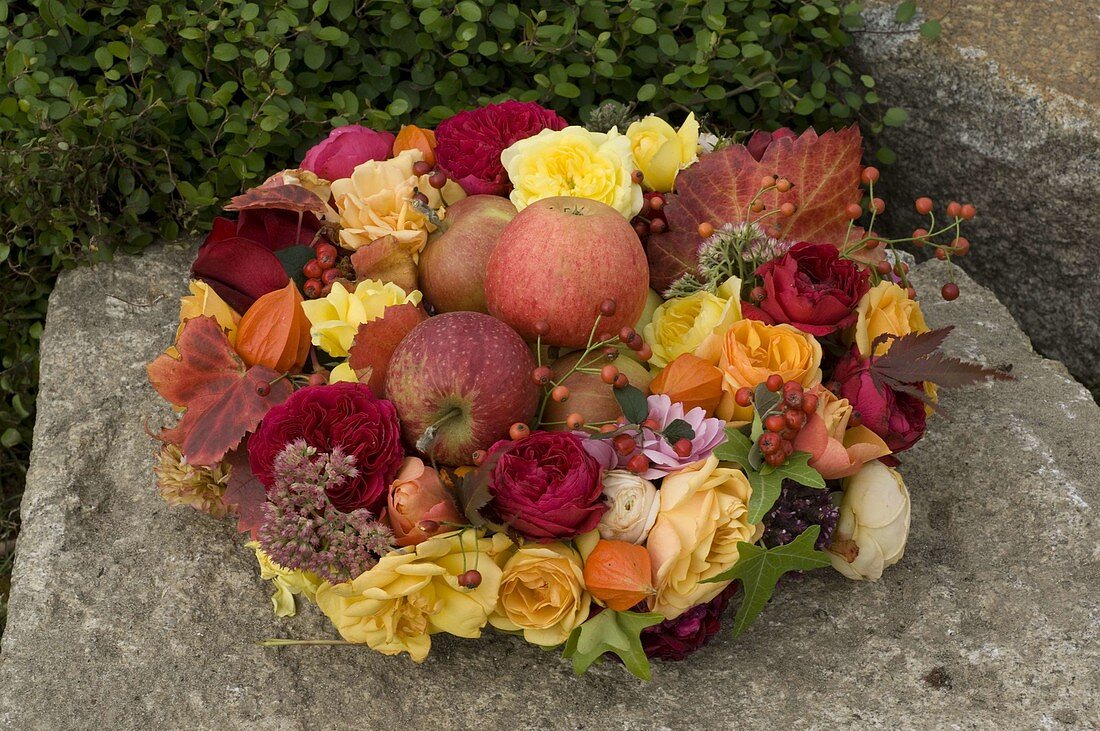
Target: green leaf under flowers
[616,632]
[735,449]
[632,402]
[797,468]
[759,570]
[676,430]
[765,491]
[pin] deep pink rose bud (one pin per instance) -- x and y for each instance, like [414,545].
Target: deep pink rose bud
[344,415]
[811,288]
[337,155]
[468,145]
[760,141]
[545,486]
[895,416]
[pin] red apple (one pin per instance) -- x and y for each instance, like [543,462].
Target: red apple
[466,374]
[589,396]
[452,265]
[557,261]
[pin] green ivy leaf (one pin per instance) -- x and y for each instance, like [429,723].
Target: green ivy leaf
[766,489]
[759,569]
[736,448]
[615,632]
[633,403]
[797,468]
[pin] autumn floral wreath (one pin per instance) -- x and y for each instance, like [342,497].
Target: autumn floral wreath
[587,386]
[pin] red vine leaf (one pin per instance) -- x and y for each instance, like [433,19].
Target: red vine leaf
[223,400]
[720,187]
[283,197]
[916,357]
[245,492]
[376,340]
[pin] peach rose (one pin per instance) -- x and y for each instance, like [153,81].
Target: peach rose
[703,516]
[837,450]
[885,310]
[752,351]
[417,495]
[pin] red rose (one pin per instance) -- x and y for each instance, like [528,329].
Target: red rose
[760,141]
[337,155]
[675,639]
[811,288]
[545,486]
[238,257]
[897,417]
[345,415]
[468,145]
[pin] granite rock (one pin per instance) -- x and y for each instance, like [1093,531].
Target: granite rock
[129,614]
[1004,112]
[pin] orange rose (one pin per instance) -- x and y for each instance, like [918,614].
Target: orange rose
[752,351]
[837,450]
[418,495]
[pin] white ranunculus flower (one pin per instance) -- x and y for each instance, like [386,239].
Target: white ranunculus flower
[632,507]
[873,525]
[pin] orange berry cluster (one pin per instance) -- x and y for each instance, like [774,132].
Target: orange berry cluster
[783,422]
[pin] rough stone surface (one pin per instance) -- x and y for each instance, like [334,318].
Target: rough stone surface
[1004,112]
[128,614]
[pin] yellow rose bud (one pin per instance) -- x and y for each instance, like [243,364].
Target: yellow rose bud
[205,302]
[288,582]
[573,162]
[542,593]
[752,351]
[694,324]
[885,310]
[703,516]
[874,523]
[411,594]
[336,318]
[661,151]
[376,201]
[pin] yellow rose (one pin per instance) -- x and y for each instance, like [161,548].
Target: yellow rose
[413,593]
[694,324]
[661,151]
[205,302]
[542,593]
[342,373]
[752,351]
[576,162]
[885,309]
[703,516]
[336,318]
[376,201]
[288,582]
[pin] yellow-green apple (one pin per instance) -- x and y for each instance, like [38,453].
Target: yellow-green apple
[459,380]
[452,265]
[557,261]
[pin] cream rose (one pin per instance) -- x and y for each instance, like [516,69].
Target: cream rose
[542,594]
[660,150]
[376,201]
[874,523]
[573,162]
[703,516]
[632,507]
[413,593]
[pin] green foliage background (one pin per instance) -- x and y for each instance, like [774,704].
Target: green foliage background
[122,123]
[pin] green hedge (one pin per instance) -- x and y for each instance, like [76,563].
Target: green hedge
[126,122]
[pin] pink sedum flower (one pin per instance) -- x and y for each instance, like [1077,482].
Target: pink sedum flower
[709,433]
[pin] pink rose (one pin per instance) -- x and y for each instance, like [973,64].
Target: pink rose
[418,495]
[895,416]
[337,155]
[761,140]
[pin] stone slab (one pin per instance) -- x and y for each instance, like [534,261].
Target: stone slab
[1004,112]
[128,614]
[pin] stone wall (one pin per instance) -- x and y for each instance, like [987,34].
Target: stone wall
[1005,113]
[129,614]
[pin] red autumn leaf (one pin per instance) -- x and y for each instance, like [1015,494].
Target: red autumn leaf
[223,400]
[284,197]
[719,188]
[245,492]
[376,340]
[916,357]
